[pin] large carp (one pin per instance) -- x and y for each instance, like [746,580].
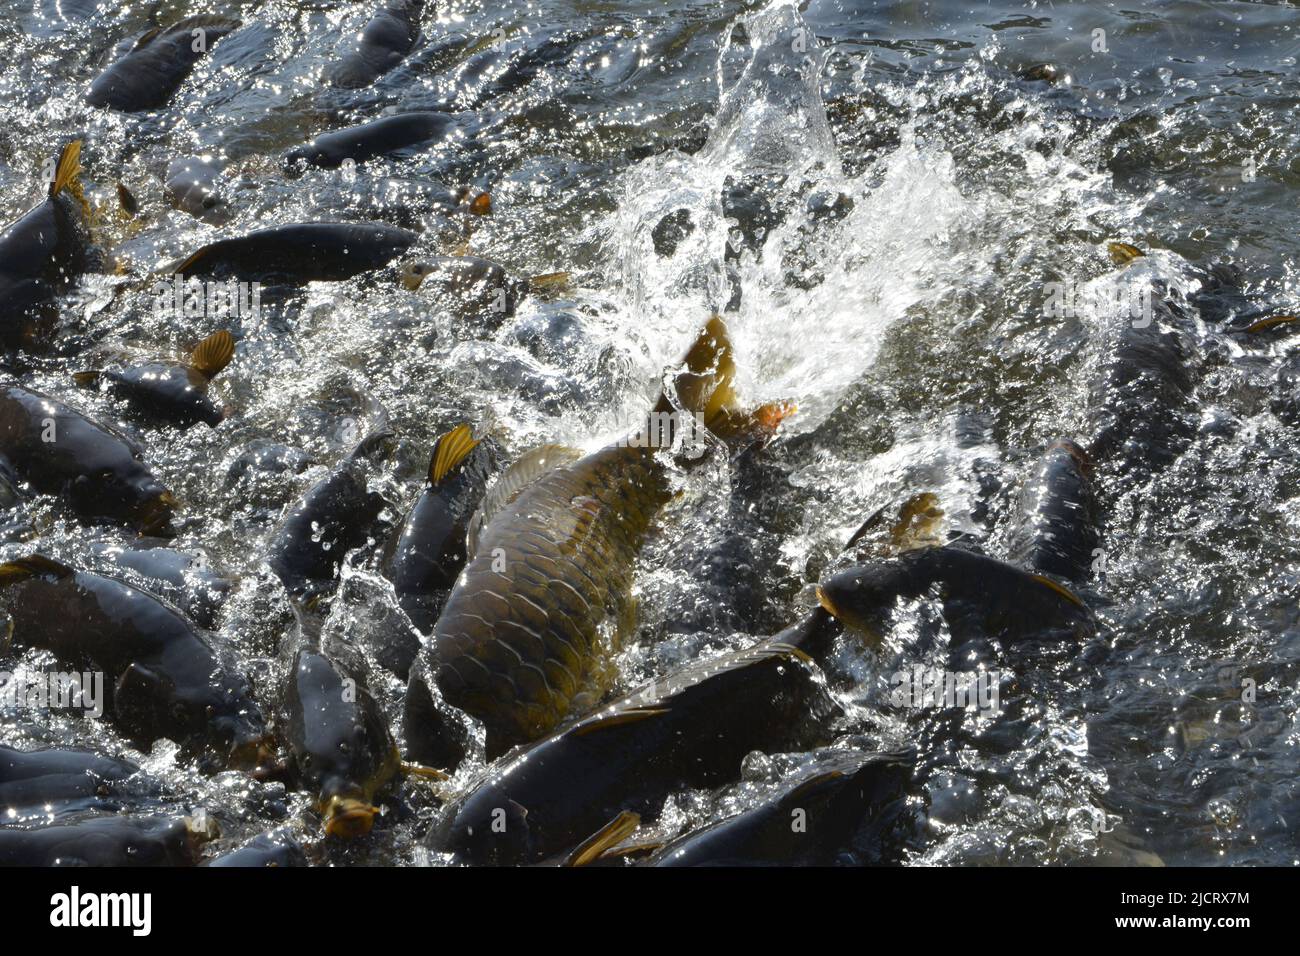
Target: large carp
[527,635]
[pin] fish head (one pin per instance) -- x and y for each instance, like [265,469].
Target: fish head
[858,596]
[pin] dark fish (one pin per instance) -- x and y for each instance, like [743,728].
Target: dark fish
[426,553]
[274,849]
[194,186]
[302,252]
[50,777]
[337,515]
[690,729]
[171,392]
[1142,398]
[477,286]
[813,823]
[981,597]
[387,39]
[377,138]
[161,59]
[340,743]
[1056,531]
[182,579]
[96,471]
[527,634]
[126,199]
[162,677]
[41,255]
[107,841]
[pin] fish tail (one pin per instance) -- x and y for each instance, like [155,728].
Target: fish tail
[706,387]
[65,173]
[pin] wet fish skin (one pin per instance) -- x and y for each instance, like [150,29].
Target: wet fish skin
[981,596]
[858,790]
[691,729]
[1056,531]
[370,140]
[162,678]
[338,738]
[166,392]
[41,255]
[193,185]
[50,776]
[301,252]
[276,848]
[529,629]
[335,516]
[147,76]
[105,841]
[426,552]
[473,286]
[386,40]
[96,472]
[177,577]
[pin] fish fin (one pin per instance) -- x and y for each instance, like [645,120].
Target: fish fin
[449,451]
[428,773]
[127,200]
[631,715]
[549,281]
[1059,589]
[32,566]
[146,38]
[481,205]
[86,379]
[1122,253]
[918,521]
[184,264]
[526,469]
[1269,322]
[214,353]
[65,173]
[606,838]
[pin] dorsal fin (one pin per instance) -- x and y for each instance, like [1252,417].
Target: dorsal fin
[449,451]
[185,264]
[606,838]
[65,173]
[146,38]
[32,566]
[214,353]
[530,466]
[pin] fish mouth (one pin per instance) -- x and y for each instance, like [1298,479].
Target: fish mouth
[348,818]
[826,603]
[854,622]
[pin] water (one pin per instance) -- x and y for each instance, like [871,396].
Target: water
[892,202]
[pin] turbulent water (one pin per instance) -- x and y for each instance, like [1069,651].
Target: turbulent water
[892,202]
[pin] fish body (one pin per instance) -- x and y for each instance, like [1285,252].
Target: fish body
[386,40]
[41,255]
[173,393]
[180,578]
[92,468]
[370,140]
[527,633]
[813,823]
[981,596]
[51,776]
[274,849]
[162,678]
[147,76]
[1056,531]
[337,514]
[427,551]
[690,729]
[336,734]
[193,185]
[105,841]
[300,252]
